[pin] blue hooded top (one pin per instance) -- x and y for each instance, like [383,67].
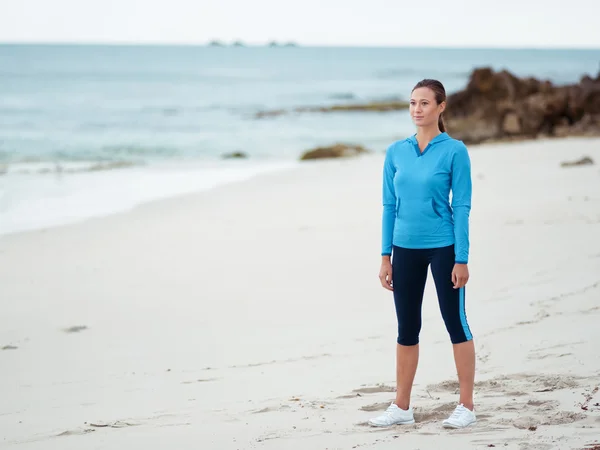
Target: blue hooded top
[417,211]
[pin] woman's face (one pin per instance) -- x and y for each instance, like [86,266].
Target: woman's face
[424,110]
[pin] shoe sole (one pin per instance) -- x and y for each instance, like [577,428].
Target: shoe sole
[454,427]
[411,422]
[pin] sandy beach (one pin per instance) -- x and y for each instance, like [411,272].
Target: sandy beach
[251,316]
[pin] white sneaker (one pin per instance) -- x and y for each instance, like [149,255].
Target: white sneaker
[460,418]
[393,415]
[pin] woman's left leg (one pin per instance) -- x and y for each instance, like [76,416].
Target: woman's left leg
[452,307]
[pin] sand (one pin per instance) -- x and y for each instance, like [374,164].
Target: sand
[251,316]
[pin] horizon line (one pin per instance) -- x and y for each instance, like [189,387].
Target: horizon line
[287,44]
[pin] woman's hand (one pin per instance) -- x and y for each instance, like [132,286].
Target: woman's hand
[460,275]
[385,274]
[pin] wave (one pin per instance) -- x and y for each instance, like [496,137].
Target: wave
[148,77]
[14,110]
[343,96]
[138,150]
[53,200]
[168,110]
[62,167]
[109,155]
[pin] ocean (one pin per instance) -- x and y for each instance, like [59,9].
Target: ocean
[89,130]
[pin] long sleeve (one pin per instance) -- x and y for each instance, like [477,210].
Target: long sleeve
[461,202]
[389,204]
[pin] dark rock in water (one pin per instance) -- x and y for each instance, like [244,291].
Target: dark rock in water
[235,155]
[9,347]
[270,113]
[334,151]
[585,161]
[500,106]
[374,106]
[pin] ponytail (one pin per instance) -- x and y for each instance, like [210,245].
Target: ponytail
[441,124]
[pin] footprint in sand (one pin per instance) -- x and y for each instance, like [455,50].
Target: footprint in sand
[534,402]
[524,383]
[75,329]
[549,355]
[436,414]
[76,432]
[91,427]
[381,406]
[265,410]
[117,424]
[200,380]
[483,355]
[528,446]
[558,418]
[527,414]
[375,389]
[349,396]
[444,386]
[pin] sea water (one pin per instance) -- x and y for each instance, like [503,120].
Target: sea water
[89,130]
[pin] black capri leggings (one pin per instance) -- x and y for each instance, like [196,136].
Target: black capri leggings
[409,274]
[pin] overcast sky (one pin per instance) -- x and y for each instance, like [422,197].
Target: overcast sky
[518,23]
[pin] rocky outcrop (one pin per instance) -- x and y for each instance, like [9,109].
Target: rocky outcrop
[234,155]
[500,106]
[334,151]
[376,106]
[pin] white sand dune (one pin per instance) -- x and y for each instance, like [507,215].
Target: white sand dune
[251,316]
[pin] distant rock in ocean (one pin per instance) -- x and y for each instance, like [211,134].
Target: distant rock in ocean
[334,151]
[375,106]
[239,43]
[235,155]
[277,44]
[497,106]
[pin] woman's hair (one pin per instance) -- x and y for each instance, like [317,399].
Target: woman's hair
[440,95]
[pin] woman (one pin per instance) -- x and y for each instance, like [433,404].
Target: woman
[421,228]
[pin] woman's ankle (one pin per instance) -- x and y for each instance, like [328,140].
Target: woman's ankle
[402,404]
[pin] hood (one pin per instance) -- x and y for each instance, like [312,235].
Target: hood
[439,138]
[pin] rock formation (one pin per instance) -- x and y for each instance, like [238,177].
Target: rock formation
[334,151]
[499,106]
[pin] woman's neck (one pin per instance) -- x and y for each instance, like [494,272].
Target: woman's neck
[425,135]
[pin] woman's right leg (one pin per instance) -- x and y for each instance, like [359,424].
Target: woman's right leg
[409,275]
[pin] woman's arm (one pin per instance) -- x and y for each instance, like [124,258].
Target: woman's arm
[389,204]
[461,202]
